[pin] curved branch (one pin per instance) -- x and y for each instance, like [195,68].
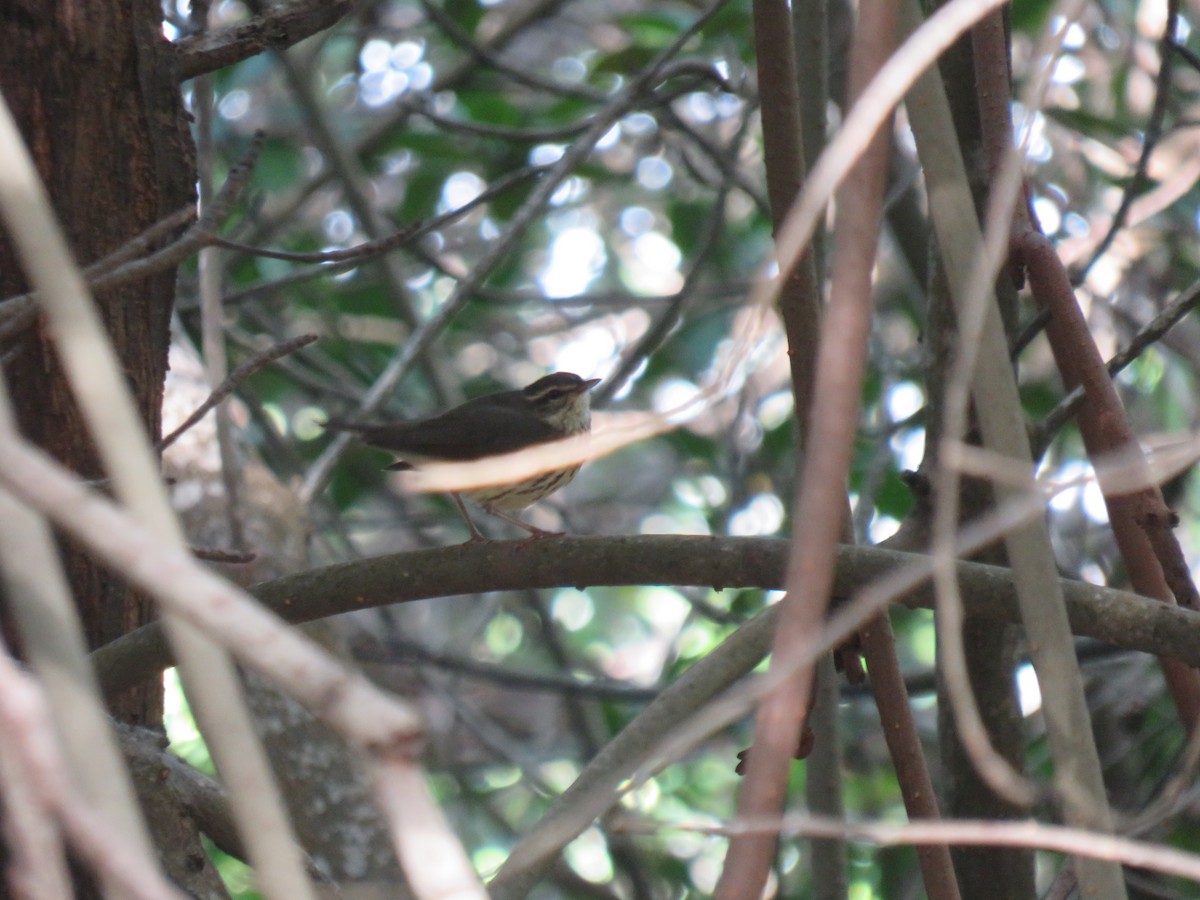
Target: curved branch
[1117,617]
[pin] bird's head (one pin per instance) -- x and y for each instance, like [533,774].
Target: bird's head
[561,400]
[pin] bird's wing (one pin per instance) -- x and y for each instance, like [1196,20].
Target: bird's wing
[461,434]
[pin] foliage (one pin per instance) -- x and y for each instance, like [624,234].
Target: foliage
[636,267]
[405,112]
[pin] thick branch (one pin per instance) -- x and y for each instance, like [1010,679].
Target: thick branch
[820,498]
[1117,617]
[1140,519]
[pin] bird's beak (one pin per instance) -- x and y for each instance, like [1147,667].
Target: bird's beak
[589,384]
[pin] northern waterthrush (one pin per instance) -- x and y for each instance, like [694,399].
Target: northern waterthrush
[551,408]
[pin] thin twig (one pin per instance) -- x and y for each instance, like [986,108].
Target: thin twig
[386,731]
[30,739]
[357,253]
[1147,336]
[452,30]
[277,29]
[635,356]
[229,557]
[973,832]
[201,232]
[426,108]
[405,235]
[18,312]
[321,470]
[1189,56]
[210,276]
[399,652]
[1028,333]
[819,506]
[1151,135]
[237,376]
[329,379]
[340,260]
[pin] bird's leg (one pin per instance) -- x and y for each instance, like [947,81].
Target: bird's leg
[476,534]
[534,532]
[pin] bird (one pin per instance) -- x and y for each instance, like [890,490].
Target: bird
[553,407]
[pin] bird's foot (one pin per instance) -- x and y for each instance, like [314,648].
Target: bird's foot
[536,534]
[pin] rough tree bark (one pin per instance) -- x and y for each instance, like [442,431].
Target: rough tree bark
[93,91]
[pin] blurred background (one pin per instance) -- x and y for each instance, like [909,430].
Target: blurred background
[453,116]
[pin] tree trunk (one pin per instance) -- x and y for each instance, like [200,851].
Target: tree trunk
[93,90]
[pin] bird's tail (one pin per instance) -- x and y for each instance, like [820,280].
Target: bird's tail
[368,432]
[345,425]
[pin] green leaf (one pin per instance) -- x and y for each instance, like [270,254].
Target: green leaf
[655,29]
[1089,123]
[278,166]
[1031,16]
[567,111]
[491,107]
[421,193]
[427,145]
[689,223]
[893,497]
[508,201]
[627,60]
[465,13]
[747,603]
[1038,398]
[732,27]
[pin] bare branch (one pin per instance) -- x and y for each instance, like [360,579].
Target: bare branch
[99,386]
[127,264]
[277,29]
[1117,617]
[1146,337]
[31,744]
[236,377]
[382,728]
[229,557]
[1151,134]
[18,312]
[1034,835]
[820,504]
